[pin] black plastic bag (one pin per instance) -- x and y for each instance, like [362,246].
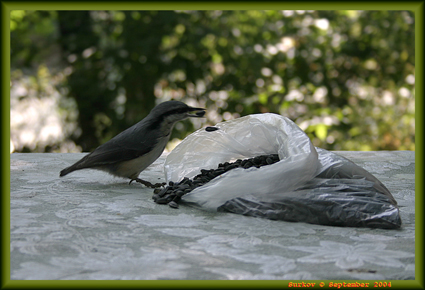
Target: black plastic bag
[339,196]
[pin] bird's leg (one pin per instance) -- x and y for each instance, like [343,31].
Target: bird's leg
[147,183]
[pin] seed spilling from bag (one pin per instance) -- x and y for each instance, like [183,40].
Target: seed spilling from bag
[211,129]
[172,194]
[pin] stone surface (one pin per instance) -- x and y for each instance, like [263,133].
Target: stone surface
[90,225]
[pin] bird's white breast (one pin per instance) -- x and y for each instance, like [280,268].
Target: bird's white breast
[132,168]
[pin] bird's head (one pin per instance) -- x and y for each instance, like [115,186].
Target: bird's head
[166,114]
[174,111]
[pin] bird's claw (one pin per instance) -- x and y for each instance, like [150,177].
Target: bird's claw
[147,183]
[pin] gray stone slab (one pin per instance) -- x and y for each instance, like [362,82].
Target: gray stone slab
[90,225]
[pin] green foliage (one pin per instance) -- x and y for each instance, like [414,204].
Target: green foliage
[345,77]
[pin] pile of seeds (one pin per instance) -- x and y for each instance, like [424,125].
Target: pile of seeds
[172,194]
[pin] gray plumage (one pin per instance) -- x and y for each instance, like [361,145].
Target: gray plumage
[133,150]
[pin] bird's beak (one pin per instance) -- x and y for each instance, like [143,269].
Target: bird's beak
[196,112]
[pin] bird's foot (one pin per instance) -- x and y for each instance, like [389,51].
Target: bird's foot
[147,183]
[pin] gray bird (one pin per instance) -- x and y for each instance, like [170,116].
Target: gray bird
[131,151]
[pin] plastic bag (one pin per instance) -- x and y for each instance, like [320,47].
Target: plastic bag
[308,185]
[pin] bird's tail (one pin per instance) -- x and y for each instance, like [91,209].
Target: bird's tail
[80,164]
[67,170]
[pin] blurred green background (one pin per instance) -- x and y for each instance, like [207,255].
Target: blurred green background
[78,78]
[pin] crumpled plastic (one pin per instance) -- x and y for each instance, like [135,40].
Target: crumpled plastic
[308,184]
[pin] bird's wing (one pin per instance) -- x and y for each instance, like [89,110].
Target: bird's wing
[129,144]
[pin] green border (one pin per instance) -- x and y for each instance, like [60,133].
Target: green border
[419,157]
[5,145]
[210,5]
[7,6]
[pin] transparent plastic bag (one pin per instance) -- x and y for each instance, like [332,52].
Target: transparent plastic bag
[308,185]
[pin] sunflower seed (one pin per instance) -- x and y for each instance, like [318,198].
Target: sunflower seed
[172,194]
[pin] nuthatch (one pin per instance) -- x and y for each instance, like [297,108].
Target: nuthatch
[131,151]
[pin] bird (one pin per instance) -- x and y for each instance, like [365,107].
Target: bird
[133,150]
